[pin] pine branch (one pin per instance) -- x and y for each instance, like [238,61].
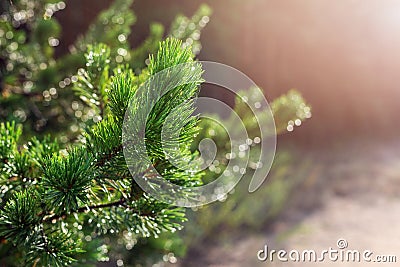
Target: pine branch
[39,182]
[85,209]
[92,178]
[121,202]
[109,156]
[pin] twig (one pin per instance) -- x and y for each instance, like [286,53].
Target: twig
[87,208]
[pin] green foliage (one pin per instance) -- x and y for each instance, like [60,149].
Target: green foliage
[19,217]
[112,27]
[71,206]
[9,136]
[89,183]
[267,202]
[170,55]
[54,249]
[124,86]
[167,105]
[92,82]
[39,149]
[35,86]
[67,191]
[189,29]
[289,111]
[27,65]
[21,224]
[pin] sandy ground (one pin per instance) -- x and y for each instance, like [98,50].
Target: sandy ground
[353,194]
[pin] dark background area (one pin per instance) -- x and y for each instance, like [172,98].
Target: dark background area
[343,56]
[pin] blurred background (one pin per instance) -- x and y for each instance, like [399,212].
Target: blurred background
[336,176]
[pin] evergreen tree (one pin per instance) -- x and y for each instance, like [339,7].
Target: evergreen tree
[48,195]
[63,204]
[36,91]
